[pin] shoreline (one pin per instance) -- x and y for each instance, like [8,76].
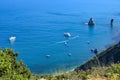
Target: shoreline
[57,73]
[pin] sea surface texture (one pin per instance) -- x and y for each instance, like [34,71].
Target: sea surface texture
[39,27]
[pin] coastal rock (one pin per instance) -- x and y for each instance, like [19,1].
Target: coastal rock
[91,22]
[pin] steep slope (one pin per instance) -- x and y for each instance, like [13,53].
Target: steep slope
[105,58]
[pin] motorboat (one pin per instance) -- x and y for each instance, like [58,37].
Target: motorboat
[67,34]
[47,55]
[12,38]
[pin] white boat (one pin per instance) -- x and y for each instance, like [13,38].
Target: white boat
[67,34]
[47,55]
[69,54]
[12,38]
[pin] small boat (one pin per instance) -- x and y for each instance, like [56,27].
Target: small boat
[48,56]
[69,54]
[12,38]
[88,42]
[67,34]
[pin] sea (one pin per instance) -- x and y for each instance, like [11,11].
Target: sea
[39,27]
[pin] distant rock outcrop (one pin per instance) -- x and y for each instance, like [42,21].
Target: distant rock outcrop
[91,22]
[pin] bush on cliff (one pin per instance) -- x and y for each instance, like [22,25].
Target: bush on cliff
[10,69]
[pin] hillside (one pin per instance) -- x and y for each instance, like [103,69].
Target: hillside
[97,73]
[105,58]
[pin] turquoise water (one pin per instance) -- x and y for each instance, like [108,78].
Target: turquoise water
[39,27]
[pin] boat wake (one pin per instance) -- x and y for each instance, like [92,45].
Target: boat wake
[65,41]
[75,37]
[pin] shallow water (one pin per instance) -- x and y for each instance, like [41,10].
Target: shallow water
[39,27]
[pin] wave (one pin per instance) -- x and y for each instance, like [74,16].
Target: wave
[62,14]
[62,22]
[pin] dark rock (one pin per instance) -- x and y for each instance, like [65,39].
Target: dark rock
[91,22]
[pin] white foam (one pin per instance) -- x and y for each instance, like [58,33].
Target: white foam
[86,23]
[65,42]
[77,36]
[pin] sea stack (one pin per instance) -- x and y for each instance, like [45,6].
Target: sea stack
[91,22]
[111,22]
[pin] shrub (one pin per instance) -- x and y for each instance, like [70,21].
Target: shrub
[10,69]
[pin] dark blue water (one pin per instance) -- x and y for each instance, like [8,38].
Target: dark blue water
[39,26]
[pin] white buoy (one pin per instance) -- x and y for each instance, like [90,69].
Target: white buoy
[67,34]
[12,38]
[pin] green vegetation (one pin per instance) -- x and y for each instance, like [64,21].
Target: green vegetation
[96,73]
[10,69]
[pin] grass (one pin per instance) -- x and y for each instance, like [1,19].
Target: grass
[96,73]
